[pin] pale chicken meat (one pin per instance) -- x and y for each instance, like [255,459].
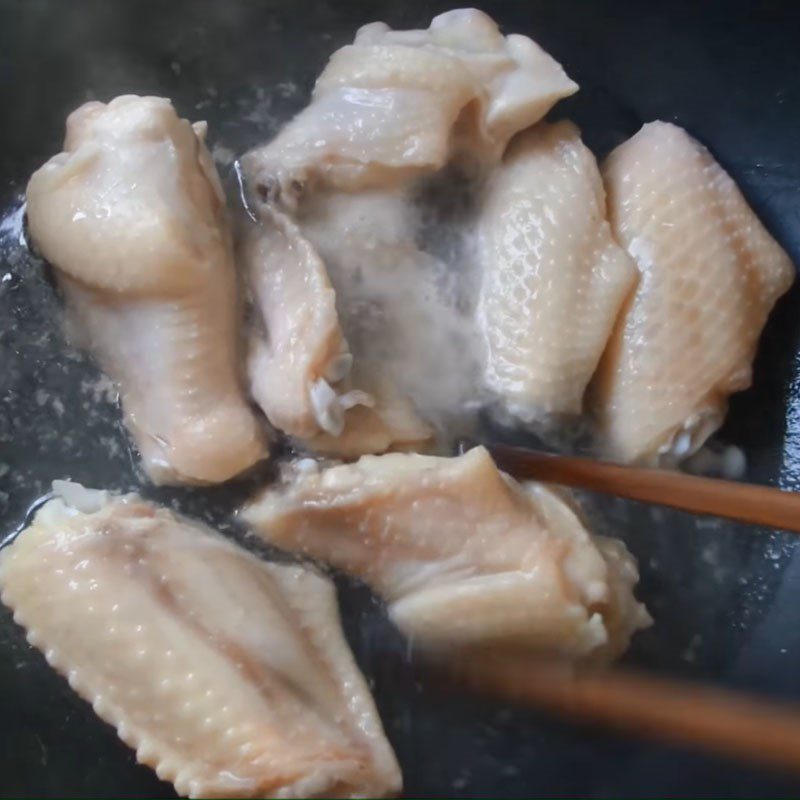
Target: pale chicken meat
[132,216]
[463,555]
[300,364]
[710,274]
[298,349]
[228,675]
[554,279]
[384,419]
[397,104]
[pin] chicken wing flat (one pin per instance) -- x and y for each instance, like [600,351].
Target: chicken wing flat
[228,675]
[463,555]
[554,279]
[710,274]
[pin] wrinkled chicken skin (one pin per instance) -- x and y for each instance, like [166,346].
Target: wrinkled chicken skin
[462,554]
[553,277]
[132,216]
[229,676]
[710,275]
[398,104]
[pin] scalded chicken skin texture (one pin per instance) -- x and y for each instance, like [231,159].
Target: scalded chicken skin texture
[227,675]
[710,274]
[464,556]
[554,279]
[132,216]
[398,104]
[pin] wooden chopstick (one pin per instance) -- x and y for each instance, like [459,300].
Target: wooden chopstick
[718,721]
[758,505]
[676,712]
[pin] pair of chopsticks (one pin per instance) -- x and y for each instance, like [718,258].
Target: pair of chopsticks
[722,722]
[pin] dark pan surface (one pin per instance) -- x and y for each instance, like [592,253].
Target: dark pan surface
[726,599]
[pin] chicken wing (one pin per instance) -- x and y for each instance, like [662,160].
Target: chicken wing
[463,555]
[300,363]
[229,676]
[710,275]
[132,216]
[396,104]
[554,279]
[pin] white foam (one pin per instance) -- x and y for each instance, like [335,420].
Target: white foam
[79,498]
[406,280]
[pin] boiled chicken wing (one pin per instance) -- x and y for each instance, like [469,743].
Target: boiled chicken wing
[132,216]
[298,349]
[710,275]
[463,555]
[300,364]
[228,675]
[553,277]
[397,104]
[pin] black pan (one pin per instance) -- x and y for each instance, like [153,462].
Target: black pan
[726,599]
